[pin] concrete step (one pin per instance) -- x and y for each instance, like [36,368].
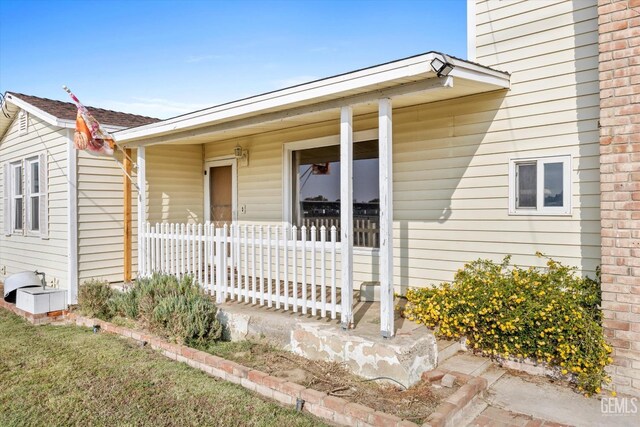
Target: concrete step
[362,350]
[467,364]
[447,349]
[491,373]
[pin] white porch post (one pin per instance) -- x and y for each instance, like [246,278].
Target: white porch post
[385,152]
[142,208]
[346,215]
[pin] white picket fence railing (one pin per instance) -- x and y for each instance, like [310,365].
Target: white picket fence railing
[265,265]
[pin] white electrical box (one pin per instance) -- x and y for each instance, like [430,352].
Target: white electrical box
[37,300]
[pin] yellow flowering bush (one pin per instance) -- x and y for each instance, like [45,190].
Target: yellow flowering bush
[550,315]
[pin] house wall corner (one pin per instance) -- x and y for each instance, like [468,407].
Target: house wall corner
[619,76]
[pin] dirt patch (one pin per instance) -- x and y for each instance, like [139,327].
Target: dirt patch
[415,403]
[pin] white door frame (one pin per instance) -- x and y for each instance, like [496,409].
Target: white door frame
[215,162]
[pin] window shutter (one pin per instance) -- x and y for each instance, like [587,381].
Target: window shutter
[6,210]
[44,189]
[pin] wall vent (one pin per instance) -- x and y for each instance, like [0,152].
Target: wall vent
[23,122]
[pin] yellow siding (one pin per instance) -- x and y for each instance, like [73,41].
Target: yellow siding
[175,191]
[22,252]
[100,215]
[451,158]
[175,184]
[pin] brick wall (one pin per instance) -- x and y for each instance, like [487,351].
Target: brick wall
[619,32]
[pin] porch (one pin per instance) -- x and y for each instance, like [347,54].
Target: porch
[266,243]
[304,264]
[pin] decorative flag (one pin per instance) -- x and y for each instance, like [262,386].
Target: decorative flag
[320,169]
[89,135]
[93,139]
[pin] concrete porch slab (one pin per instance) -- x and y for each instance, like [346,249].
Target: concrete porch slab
[363,350]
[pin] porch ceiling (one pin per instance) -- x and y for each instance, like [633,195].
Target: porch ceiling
[408,82]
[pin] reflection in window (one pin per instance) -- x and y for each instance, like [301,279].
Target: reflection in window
[17,197]
[553,184]
[33,202]
[316,190]
[527,181]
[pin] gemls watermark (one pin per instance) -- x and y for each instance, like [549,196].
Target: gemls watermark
[619,405]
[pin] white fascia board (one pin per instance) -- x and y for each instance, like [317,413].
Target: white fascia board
[470,73]
[52,120]
[419,86]
[332,86]
[418,67]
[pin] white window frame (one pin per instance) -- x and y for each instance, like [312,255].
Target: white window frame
[287,177]
[29,195]
[540,209]
[13,196]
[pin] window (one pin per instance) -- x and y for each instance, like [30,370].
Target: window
[33,194]
[25,201]
[540,186]
[17,199]
[316,190]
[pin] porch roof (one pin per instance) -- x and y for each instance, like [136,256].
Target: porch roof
[408,81]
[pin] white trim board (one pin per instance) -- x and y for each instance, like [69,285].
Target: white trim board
[471,30]
[52,120]
[371,80]
[49,118]
[72,219]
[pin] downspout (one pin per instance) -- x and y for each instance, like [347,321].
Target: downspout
[127,215]
[72,219]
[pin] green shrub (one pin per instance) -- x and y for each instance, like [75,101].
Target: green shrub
[549,315]
[125,304]
[179,309]
[93,299]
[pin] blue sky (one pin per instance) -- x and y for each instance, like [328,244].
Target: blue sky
[164,58]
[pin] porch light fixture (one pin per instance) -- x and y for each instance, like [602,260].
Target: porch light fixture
[442,67]
[241,155]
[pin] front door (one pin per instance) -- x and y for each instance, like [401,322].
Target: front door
[221,195]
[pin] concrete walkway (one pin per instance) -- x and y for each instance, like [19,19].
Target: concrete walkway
[533,401]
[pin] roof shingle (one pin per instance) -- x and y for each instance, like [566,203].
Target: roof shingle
[68,111]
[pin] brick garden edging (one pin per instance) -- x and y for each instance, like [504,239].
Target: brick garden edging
[36,319]
[450,412]
[330,408]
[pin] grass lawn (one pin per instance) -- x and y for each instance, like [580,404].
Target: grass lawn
[66,375]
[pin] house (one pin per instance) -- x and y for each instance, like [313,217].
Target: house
[62,209]
[527,145]
[473,158]
[414,167]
